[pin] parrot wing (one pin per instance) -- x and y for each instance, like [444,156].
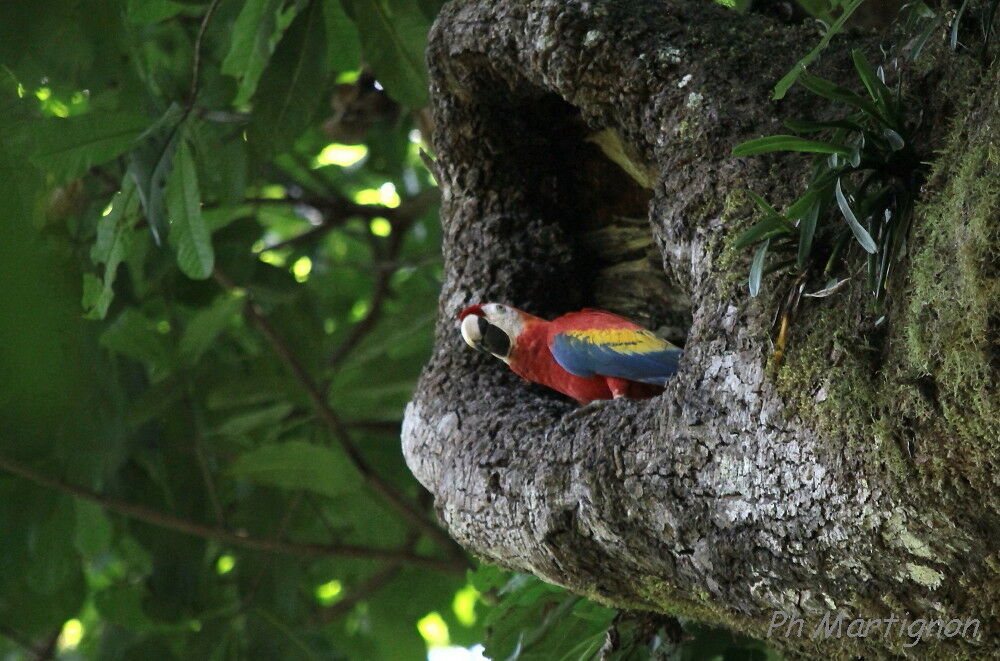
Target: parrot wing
[598,343]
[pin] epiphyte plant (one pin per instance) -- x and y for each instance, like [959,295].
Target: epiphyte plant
[862,184]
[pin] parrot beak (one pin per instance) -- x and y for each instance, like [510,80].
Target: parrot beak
[484,336]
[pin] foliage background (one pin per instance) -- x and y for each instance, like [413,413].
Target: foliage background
[220,266]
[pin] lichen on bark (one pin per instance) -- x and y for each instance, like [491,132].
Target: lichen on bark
[860,476]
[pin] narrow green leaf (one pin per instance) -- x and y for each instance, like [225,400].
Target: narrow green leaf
[298,465]
[807,229]
[835,92]
[799,208]
[188,232]
[149,167]
[877,90]
[921,41]
[764,229]
[761,203]
[774,143]
[114,240]
[789,78]
[393,38]
[294,86]
[953,38]
[860,233]
[757,267]
[256,32]
[806,126]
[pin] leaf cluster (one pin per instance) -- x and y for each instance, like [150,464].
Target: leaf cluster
[163,180]
[530,620]
[860,187]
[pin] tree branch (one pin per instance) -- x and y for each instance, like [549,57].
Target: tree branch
[196,58]
[333,422]
[370,586]
[13,636]
[219,534]
[402,218]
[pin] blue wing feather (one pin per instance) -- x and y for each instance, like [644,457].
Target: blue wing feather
[637,355]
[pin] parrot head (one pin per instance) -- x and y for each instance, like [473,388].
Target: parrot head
[492,328]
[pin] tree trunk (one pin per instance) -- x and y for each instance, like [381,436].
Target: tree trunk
[858,477]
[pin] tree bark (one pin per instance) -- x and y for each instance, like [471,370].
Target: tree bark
[858,477]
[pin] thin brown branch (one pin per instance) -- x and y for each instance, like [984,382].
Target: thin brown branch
[279,532]
[339,430]
[380,293]
[370,586]
[405,215]
[48,650]
[196,58]
[219,534]
[20,641]
[335,213]
[373,584]
[200,456]
[331,529]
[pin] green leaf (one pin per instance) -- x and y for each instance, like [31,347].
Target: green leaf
[53,559]
[955,23]
[835,92]
[93,529]
[188,232]
[535,620]
[765,228]
[144,12]
[206,325]
[918,44]
[860,233]
[757,267]
[894,139]
[134,335]
[774,143]
[114,239]
[818,9]
[807,229]
[298,465]
[805,126]
[877,90]
[256,418]
[800,67]
[393,38]
[343,46]
[249,391]
[817,191]
[68,147]
[255,34]
[149,167]
[761,203]
[294,85]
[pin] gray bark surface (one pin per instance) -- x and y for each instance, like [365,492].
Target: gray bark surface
[859,476]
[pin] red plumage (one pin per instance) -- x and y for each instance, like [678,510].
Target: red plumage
[531,355]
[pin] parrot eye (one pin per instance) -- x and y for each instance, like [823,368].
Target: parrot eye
[494,340]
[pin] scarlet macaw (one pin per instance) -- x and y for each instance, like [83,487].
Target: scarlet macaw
[588,355]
